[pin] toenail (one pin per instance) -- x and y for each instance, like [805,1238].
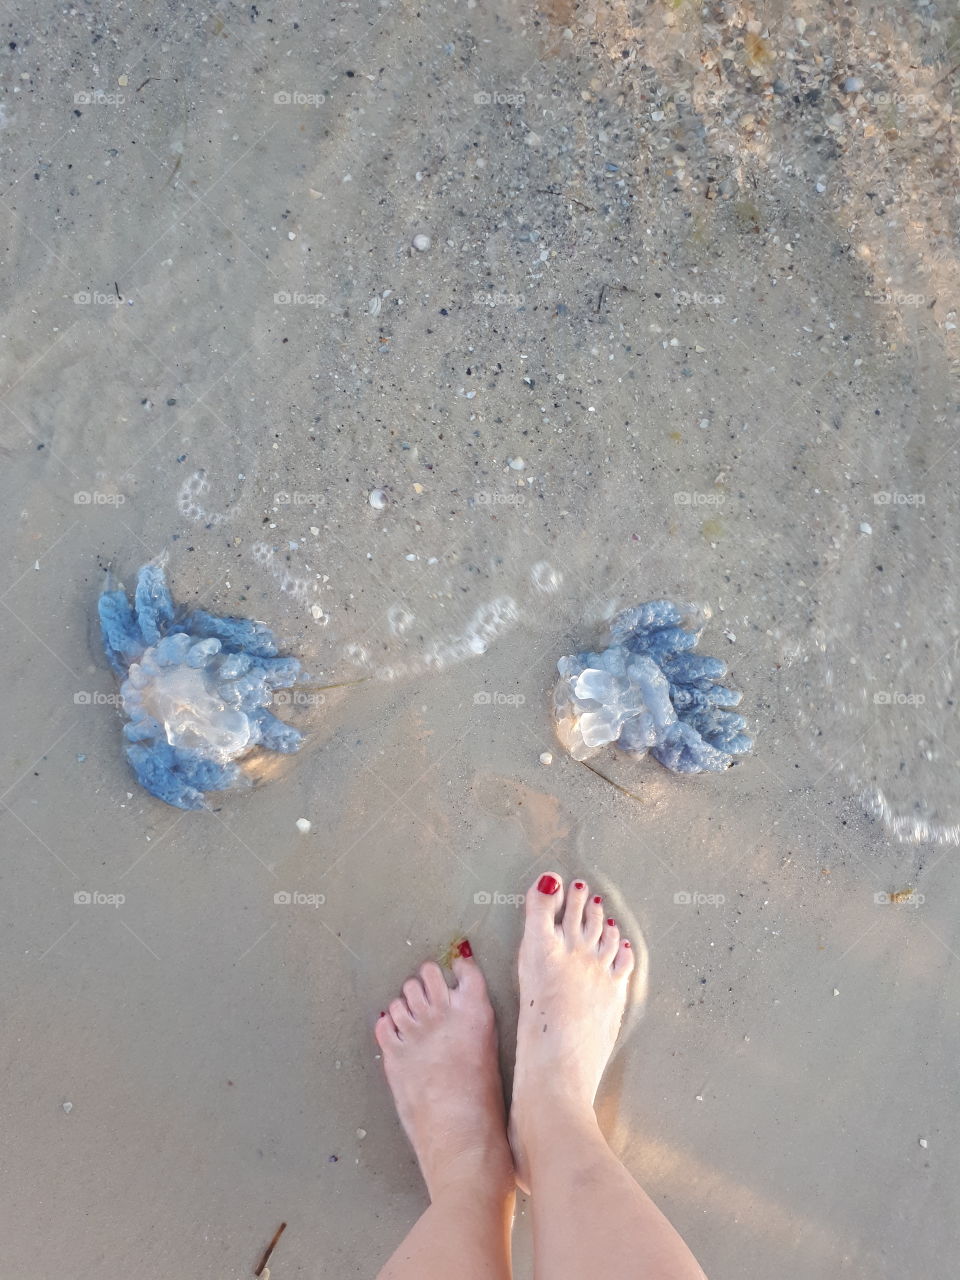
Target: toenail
[579,884]
[465,950]
[548,884]
[626,944]
[383,1013]
[598,899]
[611,922]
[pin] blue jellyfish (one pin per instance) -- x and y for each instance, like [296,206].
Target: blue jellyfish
[647,691]
[196,692]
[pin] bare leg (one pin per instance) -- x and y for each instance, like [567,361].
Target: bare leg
[440,1056]
[588,1212]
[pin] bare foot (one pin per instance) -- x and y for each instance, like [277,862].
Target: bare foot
[574,975]
[440,1056]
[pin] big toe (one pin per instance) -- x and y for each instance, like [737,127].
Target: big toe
[543,901]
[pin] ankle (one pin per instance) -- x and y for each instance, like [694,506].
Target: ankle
[550,1115]
[482,1172]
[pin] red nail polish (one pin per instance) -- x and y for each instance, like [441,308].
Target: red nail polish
[548,884]
[626,944]
[465,949]
[598,899]
[578,884]
[611,922]
[383,1013]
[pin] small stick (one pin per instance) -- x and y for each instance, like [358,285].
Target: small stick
[117,287]
[638,799]
[270,1248]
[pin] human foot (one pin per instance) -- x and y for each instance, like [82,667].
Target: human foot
[440,1056]
[574,975]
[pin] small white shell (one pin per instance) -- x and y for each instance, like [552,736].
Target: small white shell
[303,826]
[374,305]
[422,243]
[377,499]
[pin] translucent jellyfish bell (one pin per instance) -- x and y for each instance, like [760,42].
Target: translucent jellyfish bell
[647,691]
[197,696]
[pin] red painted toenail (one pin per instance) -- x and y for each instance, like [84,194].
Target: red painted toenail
[383,1013]
[611,922]
[465,949]
[598,899]
[626,944]
[548,884]
[578,884]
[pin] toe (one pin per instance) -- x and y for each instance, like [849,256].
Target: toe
[542,902]
[401,1016]
[465,969]
[415,996]
[609,941]
[625,960]
[385,1032]
[573,911]
[593,920]
[434,983]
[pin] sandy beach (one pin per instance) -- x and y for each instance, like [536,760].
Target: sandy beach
[682,323]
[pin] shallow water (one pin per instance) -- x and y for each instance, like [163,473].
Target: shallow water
[235,406]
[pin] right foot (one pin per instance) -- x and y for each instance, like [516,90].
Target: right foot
[574,975]
[440,1056]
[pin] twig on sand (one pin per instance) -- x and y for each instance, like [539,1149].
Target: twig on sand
[546,191]
[632,795]
[269,1249]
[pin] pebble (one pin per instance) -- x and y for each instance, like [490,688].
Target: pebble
[377,499]
[924,1143]
[852,84]
[422,243]
[68,1107]
[546,757]
[516,464]
[864,527]
[303,826]
[361,1134]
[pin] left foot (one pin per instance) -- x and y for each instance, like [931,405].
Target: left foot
[440,1056]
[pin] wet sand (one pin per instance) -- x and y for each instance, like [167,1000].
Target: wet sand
[724,384]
